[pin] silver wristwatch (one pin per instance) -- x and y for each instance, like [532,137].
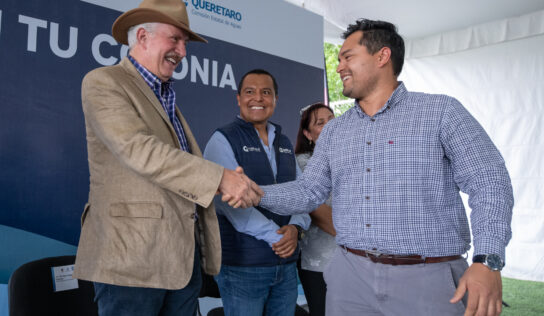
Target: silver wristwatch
[492,261]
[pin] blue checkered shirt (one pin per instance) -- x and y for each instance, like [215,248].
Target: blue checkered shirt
[395,179]
[167,97]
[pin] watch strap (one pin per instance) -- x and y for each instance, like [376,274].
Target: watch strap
[492,261]
[300,231]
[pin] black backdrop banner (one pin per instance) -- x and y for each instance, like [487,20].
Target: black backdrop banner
[46,47]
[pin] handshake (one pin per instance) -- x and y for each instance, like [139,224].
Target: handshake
[238,190]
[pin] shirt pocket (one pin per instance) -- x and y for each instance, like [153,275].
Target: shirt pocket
[133,235]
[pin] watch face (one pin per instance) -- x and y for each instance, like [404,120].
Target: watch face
[494,262]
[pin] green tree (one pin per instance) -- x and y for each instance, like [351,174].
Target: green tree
[333,79]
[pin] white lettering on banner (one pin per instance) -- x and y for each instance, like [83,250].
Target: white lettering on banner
[183,71]
[0,21]
[200,68]
[33,25]
[95,49]
[214,73]
[124,51]
[227,78]
[54,41]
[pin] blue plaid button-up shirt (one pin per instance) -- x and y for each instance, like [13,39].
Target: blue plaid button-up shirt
[167,97]
[395,179]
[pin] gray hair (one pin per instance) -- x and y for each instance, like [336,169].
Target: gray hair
[131,34]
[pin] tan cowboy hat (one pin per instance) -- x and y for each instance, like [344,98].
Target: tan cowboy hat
[171,12]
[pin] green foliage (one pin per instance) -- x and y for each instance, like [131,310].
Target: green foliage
[341,108]
[333,79]
[526,298]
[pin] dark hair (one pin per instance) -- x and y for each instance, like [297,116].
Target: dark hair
[258,72]
[303,144]
[379,34]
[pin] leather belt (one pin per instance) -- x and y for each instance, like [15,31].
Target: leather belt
[400,259]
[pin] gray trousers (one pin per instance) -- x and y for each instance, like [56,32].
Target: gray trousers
[357,286]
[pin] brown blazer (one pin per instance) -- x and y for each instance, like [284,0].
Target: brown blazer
[138,227]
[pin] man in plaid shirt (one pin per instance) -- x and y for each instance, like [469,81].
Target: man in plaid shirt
[395,164]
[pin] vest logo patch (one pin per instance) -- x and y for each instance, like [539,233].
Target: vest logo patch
[285,151]
[248,149]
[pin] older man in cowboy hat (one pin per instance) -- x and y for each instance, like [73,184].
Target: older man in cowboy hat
[150,222]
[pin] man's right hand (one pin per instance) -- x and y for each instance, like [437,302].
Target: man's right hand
[288,242]
[238,190]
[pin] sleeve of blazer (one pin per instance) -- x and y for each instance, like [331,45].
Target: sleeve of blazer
[111,114]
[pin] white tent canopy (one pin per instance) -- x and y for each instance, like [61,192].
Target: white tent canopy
[415,18]
[497,71]
[489,55]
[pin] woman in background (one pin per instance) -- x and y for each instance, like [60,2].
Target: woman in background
[317,244]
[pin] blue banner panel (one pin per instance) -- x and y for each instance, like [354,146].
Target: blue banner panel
[46,47]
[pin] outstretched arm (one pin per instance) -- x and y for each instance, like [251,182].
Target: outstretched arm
[246,220]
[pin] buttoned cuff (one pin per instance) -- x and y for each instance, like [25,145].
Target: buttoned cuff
[486,245]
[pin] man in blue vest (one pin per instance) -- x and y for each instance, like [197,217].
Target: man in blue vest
[259,248]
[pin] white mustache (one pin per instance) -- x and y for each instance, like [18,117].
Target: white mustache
[174,56]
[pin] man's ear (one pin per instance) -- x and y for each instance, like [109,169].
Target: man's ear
[141,36]
[383,55]
[238,99]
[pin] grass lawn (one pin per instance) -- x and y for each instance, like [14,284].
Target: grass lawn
[526,298]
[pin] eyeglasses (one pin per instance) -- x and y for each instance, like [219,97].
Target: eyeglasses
[310,105]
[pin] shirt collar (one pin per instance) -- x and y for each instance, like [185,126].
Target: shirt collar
[394,100]
[269,126]
[152,81]
[397,96]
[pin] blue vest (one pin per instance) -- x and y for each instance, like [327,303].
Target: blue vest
[239,249]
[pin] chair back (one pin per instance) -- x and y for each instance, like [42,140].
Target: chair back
[31,291]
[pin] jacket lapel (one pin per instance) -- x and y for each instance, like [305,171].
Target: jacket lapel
[193,145]
[150,95]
